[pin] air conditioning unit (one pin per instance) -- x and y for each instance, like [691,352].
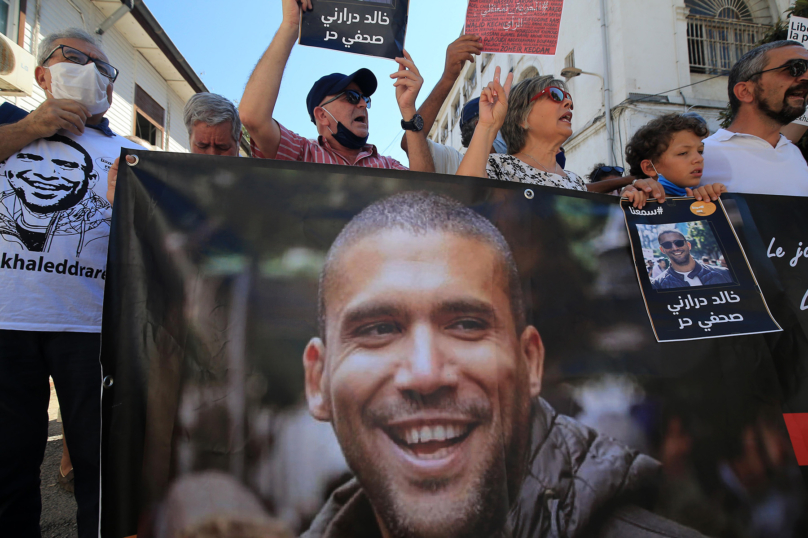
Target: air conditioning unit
[16,69]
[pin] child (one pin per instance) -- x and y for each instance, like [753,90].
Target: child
[669,149]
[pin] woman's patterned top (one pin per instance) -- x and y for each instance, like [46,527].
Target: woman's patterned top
[509,168]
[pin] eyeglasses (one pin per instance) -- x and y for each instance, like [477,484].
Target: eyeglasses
[667,245]
[77,57]
[556,94]
[352,96]
[796,68]
[610,169]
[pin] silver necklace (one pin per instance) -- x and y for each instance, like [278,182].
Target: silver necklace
[535,160]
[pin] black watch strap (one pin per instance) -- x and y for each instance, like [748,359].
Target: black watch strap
[415,124]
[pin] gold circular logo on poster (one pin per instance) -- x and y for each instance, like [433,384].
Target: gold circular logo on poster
[702,209]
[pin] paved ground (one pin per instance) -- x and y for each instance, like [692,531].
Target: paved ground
[58,506]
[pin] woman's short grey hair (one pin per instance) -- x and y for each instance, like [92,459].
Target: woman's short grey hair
[47,44]
[514,131]
[212,109]
[749,67]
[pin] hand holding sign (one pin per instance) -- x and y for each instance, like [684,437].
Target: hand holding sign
[462,50]
[292,10]
[494,101]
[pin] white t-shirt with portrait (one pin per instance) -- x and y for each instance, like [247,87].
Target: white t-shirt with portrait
[54,232]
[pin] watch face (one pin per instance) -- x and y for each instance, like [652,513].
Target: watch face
[418,121]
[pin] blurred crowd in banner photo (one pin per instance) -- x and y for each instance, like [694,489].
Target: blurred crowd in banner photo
[58,174]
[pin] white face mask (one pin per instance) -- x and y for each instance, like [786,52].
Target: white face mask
[82,83]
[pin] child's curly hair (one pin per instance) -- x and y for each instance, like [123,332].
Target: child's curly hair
[651,141]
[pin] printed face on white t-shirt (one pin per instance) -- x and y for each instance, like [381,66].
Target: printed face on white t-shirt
[46,184]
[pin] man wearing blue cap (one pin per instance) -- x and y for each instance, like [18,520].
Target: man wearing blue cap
[337,104]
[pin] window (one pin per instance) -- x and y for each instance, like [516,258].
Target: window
[9,14]
[456,108]
[719,32]
[470,83]
[485,60]
[149,119]
[569,61]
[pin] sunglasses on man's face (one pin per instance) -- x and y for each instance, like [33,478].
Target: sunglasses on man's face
[352,96]
[667,245]
[796,68]
[556,94]
[77,57]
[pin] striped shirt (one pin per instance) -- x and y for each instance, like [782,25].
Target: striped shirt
[294,147]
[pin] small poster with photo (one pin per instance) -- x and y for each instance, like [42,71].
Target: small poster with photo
[367,27]
[694,276]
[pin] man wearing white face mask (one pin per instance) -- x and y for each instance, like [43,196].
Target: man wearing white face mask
[54,231]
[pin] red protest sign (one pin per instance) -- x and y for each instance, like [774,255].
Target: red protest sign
[515,26]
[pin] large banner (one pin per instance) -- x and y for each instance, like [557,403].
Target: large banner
[298,348]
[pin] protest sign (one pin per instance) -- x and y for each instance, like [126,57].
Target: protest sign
[798,31]
[368,27]
[515,26]
[693,273]
[293,346]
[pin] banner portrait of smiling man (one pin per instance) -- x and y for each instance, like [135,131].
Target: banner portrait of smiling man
[382,354]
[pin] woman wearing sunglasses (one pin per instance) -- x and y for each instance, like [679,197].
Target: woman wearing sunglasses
[535,122]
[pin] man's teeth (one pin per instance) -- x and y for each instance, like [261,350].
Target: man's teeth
[424,434]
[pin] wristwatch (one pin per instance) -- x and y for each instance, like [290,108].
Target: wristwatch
[415,124]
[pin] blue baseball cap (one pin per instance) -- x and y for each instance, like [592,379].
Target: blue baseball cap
[470,111]
[336,82]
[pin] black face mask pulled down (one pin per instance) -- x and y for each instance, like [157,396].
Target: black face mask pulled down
[346,137]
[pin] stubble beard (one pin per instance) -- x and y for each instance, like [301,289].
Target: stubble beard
[787,113]
[68,201]
[483,512]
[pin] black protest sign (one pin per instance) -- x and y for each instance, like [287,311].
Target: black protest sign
[693,273]
[368,27]
[286,339]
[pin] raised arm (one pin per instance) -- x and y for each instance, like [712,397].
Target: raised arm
[261,93]
[460,51]
[408,84]
[493,107]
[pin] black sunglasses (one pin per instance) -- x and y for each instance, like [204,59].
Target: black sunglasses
[669,244]
[77,57]
[796,68]
[610,169]
[352,96]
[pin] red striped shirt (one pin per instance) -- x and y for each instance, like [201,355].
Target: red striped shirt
[294,147]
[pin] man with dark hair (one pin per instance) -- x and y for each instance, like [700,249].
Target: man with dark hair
[768,88]
[337,104]
[430,375]
[684,270]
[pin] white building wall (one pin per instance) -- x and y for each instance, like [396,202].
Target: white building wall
[649,55]
[134,68]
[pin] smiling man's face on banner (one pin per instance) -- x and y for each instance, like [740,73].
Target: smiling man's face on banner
[426,380]
[676,247]
[46,184]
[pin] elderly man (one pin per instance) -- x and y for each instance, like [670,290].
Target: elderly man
[430,375]
[684,270]
[337,104]
[767,91]
[214,127]
[54,230]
